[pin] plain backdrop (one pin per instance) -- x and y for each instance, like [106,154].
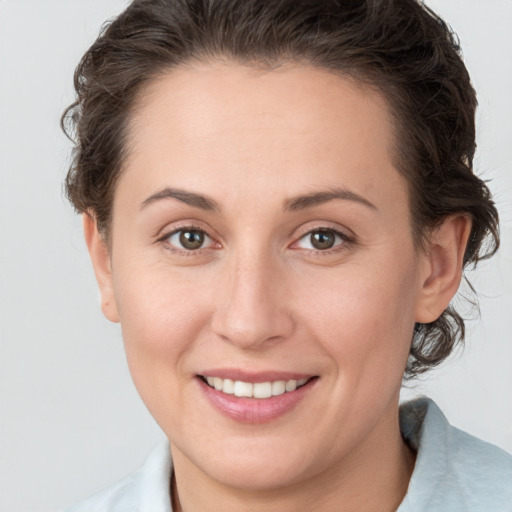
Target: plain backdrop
[70,419]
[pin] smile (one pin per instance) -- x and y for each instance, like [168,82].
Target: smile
[255,398]
[254,390]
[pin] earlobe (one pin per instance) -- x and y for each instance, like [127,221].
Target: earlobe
[101,263]
[443,267]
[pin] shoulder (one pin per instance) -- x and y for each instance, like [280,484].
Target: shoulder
[454,471]
[148,489]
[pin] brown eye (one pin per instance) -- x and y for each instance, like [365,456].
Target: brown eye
[322,240]
[189,239]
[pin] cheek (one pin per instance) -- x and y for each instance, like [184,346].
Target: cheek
[364,319]
[162,318]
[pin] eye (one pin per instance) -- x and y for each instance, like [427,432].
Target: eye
[321,240]
[189,239]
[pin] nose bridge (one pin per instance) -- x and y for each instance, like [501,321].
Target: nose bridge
[251,310]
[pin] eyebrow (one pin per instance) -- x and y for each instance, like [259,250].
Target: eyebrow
[316,198]
[294,204]
[190,198]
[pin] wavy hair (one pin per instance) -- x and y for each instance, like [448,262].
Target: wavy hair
[399,47]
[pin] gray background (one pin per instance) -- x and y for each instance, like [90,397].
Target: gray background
[70,419]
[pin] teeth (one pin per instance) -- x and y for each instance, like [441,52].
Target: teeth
[228,386]
[278,387]
[256,390]
[291,385]
[243,389]
[262,390]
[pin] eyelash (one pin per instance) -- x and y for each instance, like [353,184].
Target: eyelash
[183,251]
[344,241]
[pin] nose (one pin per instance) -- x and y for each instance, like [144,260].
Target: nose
[251,309]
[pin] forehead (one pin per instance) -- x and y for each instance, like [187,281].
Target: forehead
[296,127]
[204,99]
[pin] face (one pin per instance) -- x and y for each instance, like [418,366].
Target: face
[263,270]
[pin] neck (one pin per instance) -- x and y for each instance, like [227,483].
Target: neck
[374,478]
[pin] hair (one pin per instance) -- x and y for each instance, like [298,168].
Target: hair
[398,47]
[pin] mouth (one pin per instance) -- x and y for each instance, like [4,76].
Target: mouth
[255,397]
[258,390]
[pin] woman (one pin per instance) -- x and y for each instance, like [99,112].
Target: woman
[279,202]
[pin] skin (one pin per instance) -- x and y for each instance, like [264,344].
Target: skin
[258,296]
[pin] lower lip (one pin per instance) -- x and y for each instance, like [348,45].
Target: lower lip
[255,410]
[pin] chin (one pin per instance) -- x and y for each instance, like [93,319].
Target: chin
[259,474]
[256,464]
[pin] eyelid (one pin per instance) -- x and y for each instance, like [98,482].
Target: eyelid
[179,225]
[166,233]
[345,238]
[311,227]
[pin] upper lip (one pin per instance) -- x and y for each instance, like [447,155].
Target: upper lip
[254,376]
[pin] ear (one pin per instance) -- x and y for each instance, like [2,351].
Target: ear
[442,272]
[101,263]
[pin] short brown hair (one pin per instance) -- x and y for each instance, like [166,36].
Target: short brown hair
[400,47]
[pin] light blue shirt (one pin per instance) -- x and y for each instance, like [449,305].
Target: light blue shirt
[454,472]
